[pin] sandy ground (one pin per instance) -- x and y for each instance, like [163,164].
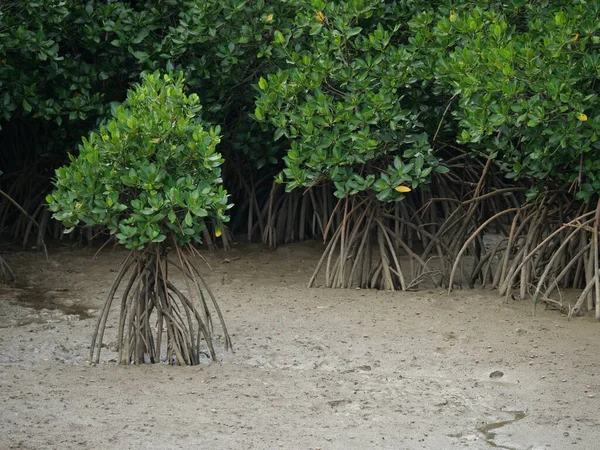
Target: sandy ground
[312,368]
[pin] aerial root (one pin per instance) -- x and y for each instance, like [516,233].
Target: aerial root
[157,320]
[540,247]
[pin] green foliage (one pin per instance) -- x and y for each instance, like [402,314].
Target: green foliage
[348,102]
[63,63]
[149,172]
[526,77]
[223,46]
[59,61]
[367,82]
[352,92]
[60,71]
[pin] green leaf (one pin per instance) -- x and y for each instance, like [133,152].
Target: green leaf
[262,83]
[188,219]
[279,132]
[419,161]
[353,31]
[258,112]
[278,37]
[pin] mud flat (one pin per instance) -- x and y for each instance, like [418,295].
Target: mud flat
[312,368]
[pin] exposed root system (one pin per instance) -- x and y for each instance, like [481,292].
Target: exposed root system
[157,320]
[481,232]
[7,276]
[275,217]
[470,228]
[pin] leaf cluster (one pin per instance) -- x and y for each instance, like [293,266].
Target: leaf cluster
[149,172]
[526,76]
[348,103]
[366,86]
[66,62]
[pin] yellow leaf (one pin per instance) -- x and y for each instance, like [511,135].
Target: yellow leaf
[575,39]
[320,16]
[270,17]
[582,117]
[452,16]
[155,140]
[403,188]
[218,231]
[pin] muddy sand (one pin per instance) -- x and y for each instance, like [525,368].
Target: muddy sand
[311,369]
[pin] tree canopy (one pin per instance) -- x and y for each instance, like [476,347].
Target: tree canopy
[151,171]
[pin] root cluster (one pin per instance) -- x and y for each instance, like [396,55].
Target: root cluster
[157,320]
[474,231]
[470,227]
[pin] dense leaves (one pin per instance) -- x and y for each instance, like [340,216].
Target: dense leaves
[363,97]
[348,102]
[369,95]
[149,172]
[526,78]
[63,63]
